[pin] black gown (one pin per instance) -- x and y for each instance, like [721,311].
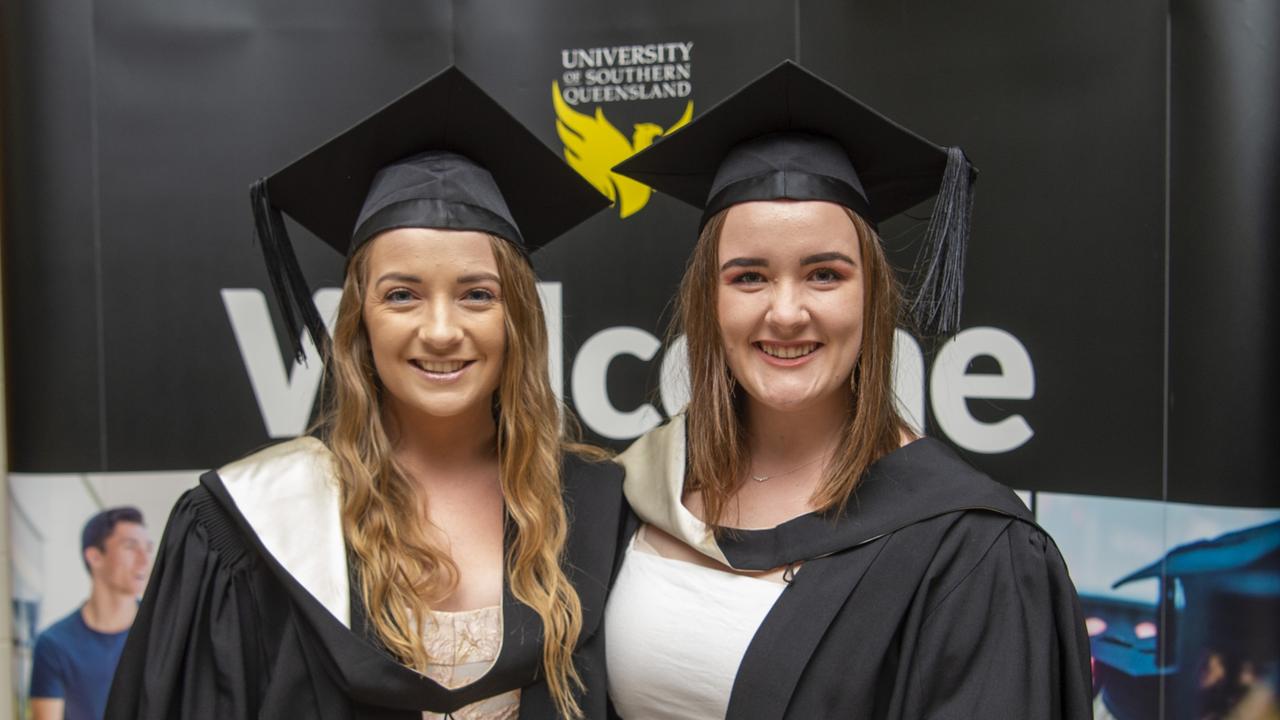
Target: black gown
[226,631]
[934,596]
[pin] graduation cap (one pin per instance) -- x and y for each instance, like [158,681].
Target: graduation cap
[444,155]
[791,135]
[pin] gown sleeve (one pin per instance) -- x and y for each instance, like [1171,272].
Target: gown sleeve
[193,652]
[1008,641]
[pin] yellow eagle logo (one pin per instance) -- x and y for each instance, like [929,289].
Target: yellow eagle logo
[592,145]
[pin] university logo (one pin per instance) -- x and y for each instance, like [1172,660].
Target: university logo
[592,144]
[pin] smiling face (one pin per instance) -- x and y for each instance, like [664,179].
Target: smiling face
[434,313]
[790,302]
[124,561]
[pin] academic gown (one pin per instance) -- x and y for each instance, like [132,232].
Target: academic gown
[252,610]
[935,595]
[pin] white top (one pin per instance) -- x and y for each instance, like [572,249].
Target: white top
[677,633]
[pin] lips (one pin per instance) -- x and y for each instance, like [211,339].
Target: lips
[787,351]
[440,367]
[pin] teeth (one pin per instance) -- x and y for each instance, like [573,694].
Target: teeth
[440,367]
[788,352]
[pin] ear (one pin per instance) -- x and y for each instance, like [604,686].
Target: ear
[93,556]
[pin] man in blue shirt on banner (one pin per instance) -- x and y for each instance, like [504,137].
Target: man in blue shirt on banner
[75,657]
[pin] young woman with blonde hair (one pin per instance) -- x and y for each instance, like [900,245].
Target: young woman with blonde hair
[437,549]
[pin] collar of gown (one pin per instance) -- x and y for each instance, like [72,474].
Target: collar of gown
[916,482]
[288,493]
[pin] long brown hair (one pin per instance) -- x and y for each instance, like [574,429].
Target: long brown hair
[402,573]
[717,442]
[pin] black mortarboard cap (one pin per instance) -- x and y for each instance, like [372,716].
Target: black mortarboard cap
[791,135]
[444,155]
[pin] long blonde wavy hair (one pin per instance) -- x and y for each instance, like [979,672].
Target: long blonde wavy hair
[717,441]
[402,573]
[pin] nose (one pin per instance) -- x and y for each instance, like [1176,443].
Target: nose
[439,329]
[787,309]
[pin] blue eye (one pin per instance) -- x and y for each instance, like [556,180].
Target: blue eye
[748,277]
[479,295]
[399,295]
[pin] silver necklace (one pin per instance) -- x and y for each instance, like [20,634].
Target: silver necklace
[762,478]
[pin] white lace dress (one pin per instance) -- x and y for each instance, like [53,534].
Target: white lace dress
[463,646]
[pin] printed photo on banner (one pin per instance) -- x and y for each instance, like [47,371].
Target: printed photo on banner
[82,548]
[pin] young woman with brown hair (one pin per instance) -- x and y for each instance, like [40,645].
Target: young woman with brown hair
[805,552]
[437,549]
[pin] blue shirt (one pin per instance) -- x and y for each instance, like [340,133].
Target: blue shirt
[75,663]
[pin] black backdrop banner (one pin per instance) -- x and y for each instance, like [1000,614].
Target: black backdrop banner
[140,332]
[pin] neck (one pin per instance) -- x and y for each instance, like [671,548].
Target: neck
[779,440]
[109,611]
[446,445]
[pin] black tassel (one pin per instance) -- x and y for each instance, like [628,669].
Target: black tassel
[935,308]
[293,297]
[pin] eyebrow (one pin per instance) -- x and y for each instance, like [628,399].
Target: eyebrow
[744,262]
[462,280]
[477,277]
[827,257]
[399,277]
[810,260]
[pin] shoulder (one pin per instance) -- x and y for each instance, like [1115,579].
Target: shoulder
[594,500]
[272,478]
[292,479]
[591,480]
[53,659]
[654,468]
[932,479]
[658,453]
[581,467]
[287,498]
[235,509]
[973,512]
[985,552]
[71,623]
[304,458]
[61,634]
[926,495]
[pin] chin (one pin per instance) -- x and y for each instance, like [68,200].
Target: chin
[442,408]
[134,588]
[779,398]
[785,404]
